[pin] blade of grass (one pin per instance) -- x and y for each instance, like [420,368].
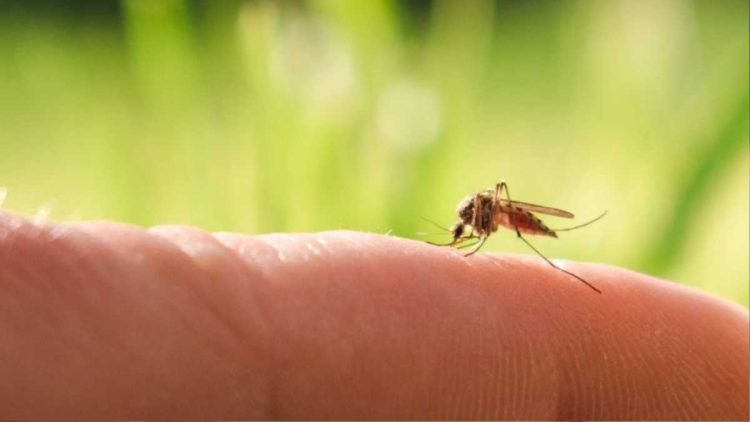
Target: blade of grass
[731,137]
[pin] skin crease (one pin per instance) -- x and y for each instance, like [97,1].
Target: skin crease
[101,321]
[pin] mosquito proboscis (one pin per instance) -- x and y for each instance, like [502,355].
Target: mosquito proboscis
[481,214]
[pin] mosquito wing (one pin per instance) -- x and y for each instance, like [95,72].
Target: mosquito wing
[539,208]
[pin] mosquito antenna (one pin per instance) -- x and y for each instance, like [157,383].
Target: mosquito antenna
[581,225]
[435,224]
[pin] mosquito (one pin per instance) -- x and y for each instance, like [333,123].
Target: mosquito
[482,213]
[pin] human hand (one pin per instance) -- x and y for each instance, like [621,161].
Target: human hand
[101,320]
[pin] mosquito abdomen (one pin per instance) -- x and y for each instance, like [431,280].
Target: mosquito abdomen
[526,222]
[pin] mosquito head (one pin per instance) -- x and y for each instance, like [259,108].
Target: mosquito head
[458,231]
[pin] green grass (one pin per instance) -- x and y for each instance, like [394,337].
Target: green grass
[315,115]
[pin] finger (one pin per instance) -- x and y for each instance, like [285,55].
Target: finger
[110,321]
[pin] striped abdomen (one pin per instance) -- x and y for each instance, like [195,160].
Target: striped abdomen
[526,222]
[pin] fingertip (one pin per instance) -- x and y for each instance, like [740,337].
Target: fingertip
[595,338]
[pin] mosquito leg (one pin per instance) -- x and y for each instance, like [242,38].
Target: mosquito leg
[504,186]
[555,266]
[451,243]
[475,220]
[469,244]
[456,241]
[478,245]
[499,188]
[567,229]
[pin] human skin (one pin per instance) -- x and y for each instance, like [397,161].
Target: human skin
[103,320]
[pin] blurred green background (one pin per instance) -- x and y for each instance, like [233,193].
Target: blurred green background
[259,116]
